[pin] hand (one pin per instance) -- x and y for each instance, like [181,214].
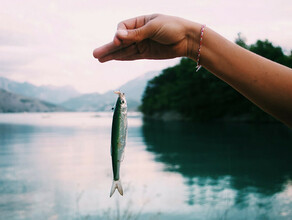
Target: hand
[151,37]
[267,84]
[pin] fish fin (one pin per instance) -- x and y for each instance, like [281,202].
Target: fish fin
[116,185]
[123,156]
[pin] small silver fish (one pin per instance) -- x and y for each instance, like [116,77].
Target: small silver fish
[118,140]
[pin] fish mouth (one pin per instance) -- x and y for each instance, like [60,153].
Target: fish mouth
[121,94]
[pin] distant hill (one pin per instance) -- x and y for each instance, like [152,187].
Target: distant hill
[67,97]
[51,94]
[134,89]
[89,102]
[10,102]
[103,102]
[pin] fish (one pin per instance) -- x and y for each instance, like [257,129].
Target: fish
[118,140]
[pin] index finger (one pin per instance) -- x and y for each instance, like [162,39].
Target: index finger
[105,50]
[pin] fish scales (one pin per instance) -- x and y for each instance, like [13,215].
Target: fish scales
[118,140]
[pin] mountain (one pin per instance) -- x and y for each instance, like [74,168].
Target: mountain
[134,89]
[103,102]
[89,102]
[51,94]
[10,102]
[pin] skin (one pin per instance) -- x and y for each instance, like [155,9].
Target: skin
[266,83]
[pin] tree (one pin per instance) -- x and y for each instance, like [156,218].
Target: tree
[202,96]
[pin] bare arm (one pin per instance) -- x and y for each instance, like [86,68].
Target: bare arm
[265,83]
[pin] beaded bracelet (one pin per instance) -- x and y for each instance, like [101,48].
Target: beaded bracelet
[198,67]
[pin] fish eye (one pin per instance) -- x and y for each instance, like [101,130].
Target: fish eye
[123,101]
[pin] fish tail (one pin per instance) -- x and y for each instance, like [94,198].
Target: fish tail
[116,185]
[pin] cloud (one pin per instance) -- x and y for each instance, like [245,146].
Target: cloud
[13,38]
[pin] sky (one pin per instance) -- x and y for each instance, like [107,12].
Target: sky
[50,42]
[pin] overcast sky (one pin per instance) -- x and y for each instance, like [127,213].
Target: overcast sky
[50,42]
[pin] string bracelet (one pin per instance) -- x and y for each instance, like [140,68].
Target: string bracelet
[198,67]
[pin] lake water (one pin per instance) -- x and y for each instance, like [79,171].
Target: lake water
[58,166]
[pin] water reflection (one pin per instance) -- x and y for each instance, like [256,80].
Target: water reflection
[45,165]
[58,167]
[218,160]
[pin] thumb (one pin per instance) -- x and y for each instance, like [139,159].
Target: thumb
[134,35]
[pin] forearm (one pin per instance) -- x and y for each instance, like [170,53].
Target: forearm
[265,83]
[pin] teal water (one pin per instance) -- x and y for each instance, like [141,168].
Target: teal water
[58,166]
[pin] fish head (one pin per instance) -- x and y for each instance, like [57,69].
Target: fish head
[122,101]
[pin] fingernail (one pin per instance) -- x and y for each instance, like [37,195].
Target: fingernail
[122,33]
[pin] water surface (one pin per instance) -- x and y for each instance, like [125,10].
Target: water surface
[58,166]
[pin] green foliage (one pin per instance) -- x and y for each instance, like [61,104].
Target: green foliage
[241,41]
[266,49]
[202,96]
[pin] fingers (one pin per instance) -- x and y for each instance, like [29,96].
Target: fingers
[121,34]
[117,41]
[123,39]
[107,49]
[143,50]
[135,35]
[134,30]
[133,23]
[122,54]
[128,32]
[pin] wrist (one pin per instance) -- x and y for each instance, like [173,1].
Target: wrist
[193,33]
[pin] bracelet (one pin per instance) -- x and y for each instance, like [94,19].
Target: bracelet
[198,67]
